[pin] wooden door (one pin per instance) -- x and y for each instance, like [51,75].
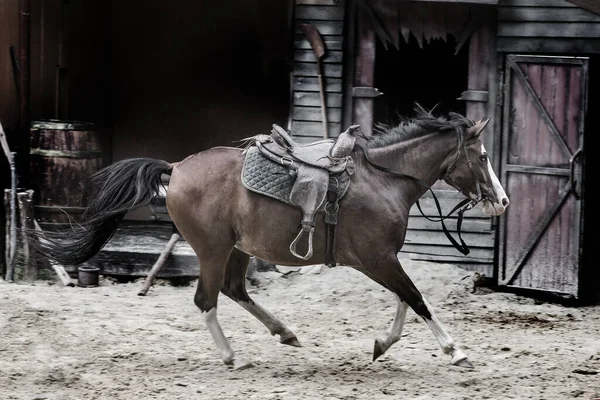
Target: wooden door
[541,233]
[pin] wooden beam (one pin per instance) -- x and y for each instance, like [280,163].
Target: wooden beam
[160,262]
[589,5]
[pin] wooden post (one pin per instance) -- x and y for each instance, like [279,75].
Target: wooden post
[22,264]
[62,274]
[160,262]
[28,264]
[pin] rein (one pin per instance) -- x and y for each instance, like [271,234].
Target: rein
[462,206]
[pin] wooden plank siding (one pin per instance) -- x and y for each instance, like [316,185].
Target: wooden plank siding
[305,122]
[549,26]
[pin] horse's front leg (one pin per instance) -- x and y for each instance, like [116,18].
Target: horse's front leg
[395,332]
[389,273]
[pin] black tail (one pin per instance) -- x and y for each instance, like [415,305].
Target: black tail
[118,188]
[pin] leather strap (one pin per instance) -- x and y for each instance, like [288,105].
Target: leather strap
[466,204]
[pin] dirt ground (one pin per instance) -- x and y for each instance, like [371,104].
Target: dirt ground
[63,343]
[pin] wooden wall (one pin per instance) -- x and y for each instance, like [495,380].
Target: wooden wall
[305,121]
[9,105]
[189,75]
[548,26]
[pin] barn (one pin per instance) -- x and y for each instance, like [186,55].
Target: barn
[531,66]
[169,78]
[157,78]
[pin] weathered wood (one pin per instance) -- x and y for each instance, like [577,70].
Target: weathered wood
[482,266]
[314,114]
[135,247]
[8,255]
[319,2]
[549,29]
[474,95]
[331,43]
[60,271]
[429,208]
[537,3]
[63,157]
[27,265]
[324,13]
[549,45]
[331,56]
[312,99]
[476,253]
[325,28]
[418,222]
[314,129]
[437,237]
[546,14]
[545,102]
[364,74]
[311,84]
[160,262]
[310,69]
[590,5]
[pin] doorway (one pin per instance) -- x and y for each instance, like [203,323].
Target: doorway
[431,75]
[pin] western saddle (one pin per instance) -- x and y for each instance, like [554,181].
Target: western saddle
[313,165]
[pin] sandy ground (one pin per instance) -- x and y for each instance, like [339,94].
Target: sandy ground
[108,343]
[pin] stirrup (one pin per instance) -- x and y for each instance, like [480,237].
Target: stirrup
[310,244]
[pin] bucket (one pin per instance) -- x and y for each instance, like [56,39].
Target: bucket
[63,156]
[87,276]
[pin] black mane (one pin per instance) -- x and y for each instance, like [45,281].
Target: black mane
[423,123]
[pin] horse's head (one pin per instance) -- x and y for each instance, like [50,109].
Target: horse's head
[470,171]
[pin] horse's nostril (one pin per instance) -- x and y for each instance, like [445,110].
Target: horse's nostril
[505,202]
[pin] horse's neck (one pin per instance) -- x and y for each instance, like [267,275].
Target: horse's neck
[424,158]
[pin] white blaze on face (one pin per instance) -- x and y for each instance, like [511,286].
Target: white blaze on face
[498,208]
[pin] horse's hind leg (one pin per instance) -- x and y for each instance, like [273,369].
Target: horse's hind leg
[390,274]
[234,287]
[212,273]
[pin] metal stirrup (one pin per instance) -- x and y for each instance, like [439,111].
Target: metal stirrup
[310,244]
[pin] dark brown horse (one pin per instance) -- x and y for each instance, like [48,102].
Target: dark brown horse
[225,223]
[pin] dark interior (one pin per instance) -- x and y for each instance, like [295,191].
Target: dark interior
[432,76]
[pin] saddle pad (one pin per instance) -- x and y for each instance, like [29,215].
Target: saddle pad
[266,177]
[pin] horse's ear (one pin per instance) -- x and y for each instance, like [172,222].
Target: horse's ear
[478,127]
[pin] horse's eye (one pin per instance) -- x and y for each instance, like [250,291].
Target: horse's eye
[483,158]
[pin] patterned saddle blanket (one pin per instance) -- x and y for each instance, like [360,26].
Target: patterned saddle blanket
[271,179]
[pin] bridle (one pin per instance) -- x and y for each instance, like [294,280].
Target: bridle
[462,145]
[461,207]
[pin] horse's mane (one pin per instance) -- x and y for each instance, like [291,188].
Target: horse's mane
[423,123]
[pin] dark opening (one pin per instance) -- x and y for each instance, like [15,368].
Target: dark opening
[431,76]
[590,272]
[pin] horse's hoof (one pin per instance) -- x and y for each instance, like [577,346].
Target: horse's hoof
[379,349]
[463,362]
[291,341]
[241,364]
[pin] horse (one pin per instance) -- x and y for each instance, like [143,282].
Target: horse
[225,224]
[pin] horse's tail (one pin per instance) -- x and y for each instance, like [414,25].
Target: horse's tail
[118,188]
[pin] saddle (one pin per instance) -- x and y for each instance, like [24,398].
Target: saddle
[312,165]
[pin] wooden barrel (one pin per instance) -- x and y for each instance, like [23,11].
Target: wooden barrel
[63,156]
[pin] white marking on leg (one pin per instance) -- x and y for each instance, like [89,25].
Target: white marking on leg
[221,341]
[444,339]
[274,325]
[395,332]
